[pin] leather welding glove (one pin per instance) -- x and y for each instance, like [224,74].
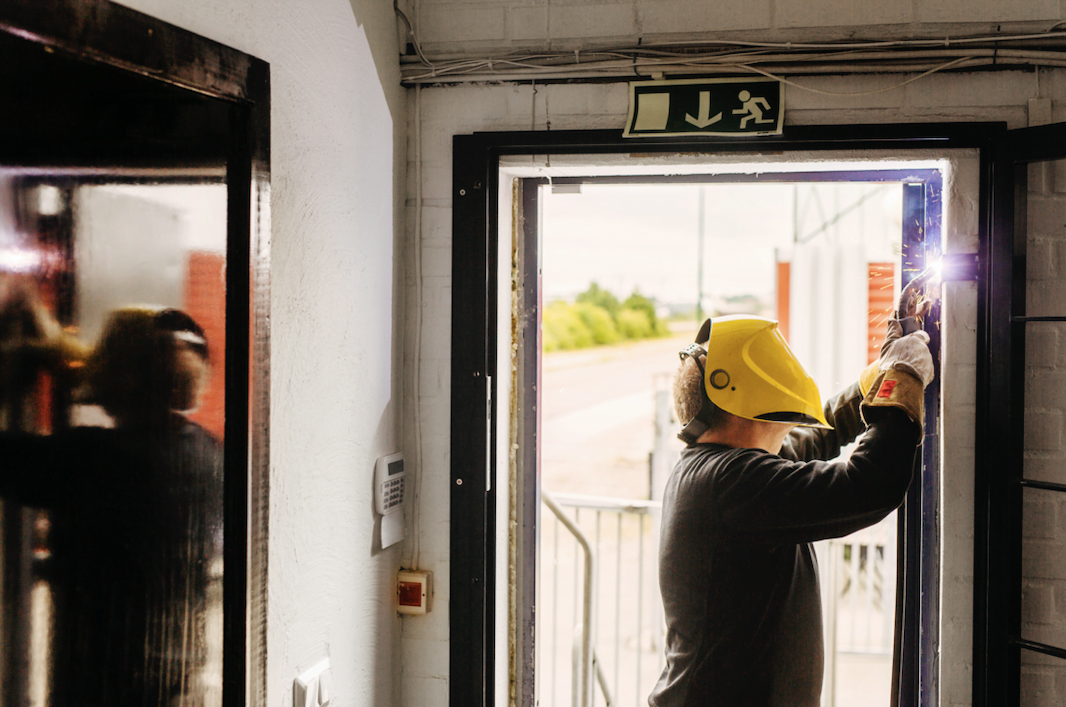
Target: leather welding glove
[894,330]
[903,371]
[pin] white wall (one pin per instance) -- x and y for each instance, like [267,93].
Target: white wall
[337,163]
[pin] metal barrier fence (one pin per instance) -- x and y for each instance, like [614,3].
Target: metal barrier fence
[626,610]
[623,656]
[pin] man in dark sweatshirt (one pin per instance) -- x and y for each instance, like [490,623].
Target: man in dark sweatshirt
[750,493]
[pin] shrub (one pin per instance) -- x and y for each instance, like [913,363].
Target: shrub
[564,328]
[595,295]
[640,303]
[599,323]
[634,324]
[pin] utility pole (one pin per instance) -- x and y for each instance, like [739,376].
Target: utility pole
[699,253]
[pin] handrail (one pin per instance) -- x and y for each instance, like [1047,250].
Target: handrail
[602,680]
[582,679]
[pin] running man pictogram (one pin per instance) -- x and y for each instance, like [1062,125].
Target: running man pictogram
[753,107]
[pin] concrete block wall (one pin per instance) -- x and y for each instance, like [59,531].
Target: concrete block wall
[1044,512]
[1000,96]
[470,26]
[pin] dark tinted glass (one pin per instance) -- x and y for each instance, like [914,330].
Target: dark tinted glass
[112,351]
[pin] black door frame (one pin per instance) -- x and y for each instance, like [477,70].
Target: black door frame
[999,541]
[475,183]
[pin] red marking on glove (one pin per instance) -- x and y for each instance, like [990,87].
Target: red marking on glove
[886,389]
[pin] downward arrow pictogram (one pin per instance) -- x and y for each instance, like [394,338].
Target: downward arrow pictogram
[705,108]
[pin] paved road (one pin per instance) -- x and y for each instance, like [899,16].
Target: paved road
[598,416]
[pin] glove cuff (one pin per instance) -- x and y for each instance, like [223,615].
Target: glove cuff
[898,389]
[868,376]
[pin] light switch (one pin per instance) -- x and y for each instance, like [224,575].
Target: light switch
[325,687]
[311,684]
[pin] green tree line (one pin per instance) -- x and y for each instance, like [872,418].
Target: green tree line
[598,318]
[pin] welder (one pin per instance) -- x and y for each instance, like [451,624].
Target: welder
[759,481]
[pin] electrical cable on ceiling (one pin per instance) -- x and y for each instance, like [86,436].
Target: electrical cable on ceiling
[410,31]
[773,59]
[901,84]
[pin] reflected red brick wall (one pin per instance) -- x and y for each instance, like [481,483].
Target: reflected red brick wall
[882,297]
[784,297]
[205,301]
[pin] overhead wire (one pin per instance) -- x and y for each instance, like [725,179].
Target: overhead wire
[771,59]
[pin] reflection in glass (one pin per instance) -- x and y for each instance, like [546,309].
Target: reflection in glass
[112,335]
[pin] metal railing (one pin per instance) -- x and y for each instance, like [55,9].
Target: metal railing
[598,568]
[618,541]
[858,598]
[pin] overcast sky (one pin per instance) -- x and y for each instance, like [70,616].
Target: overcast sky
[645,236]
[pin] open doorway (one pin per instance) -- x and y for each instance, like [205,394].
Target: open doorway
[629,271]
[623,262]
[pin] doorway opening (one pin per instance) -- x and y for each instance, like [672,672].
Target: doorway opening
[617,271]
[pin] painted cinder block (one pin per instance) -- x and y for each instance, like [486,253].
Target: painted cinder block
[849,92]
[687,16]
[1037,603]
[1046,216]
[945,93]
[418,690]
[1042,347]
[1045,467]
[436,225]
[959,391]
[1057,179]
[436,261]
[1045,298]
[988,11]
[1043,430]
[527,23]
[1045,388]
[1039,259]
[587,21]
[462,23]
[436,183]
[832,13]
[1040,516]
[1041,178]
[1037,686]
[1043,559]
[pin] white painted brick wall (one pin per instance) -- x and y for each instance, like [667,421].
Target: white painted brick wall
[672,17]
[1044,512]
[459,26]
[1004,11]
[802,13]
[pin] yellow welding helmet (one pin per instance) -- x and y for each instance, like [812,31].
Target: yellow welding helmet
[752,373]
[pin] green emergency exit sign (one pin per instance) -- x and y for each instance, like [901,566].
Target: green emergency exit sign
[705,107]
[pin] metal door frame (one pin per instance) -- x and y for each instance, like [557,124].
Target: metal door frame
[476,161]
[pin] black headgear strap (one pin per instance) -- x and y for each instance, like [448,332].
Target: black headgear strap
[698,424]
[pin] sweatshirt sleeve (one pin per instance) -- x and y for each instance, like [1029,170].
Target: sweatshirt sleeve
[842,412]
[763,497]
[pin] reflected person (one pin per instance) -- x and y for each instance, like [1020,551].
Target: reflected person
[135,513]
